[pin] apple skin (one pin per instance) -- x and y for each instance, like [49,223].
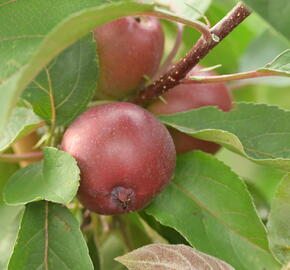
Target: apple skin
[125,154]
[128,49]
[186,97]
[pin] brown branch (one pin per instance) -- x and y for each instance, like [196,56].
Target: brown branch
[199,51]
[28,157]
[23,146]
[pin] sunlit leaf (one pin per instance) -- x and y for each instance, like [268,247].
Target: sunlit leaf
[56,179]
[26,48]
[22,121]
[10,217]
[257,131]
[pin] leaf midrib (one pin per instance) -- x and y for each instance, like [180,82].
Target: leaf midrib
[45,263]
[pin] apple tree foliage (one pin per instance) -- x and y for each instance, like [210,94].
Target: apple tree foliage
[232,209]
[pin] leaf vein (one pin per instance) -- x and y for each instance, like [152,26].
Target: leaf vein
[190,196]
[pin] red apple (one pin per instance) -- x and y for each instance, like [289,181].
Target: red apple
[125,155]
[186,97]
[129,49]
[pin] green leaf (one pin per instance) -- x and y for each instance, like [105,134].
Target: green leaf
[28,47]
[94,252]
[175,257]
[10,217]
[192,9]
[22,121]
[276,13]
[264,179]
[257,131]
[281,64]
[70,79]
[170,235]
[130,226]
[279,220]
[6,170]
[113,246]
[56,179]
[210,206]
[262,50]
[49,238]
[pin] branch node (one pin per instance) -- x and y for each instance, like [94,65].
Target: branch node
[215,38]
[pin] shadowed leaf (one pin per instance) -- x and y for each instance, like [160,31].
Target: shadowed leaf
[49,238]
[279,220]
[276,13]
[211,208]
[71,81]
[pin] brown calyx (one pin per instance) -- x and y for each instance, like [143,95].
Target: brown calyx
[123,196]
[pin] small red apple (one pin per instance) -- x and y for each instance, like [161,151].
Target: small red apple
[129,49]
[125,155]
[186,97]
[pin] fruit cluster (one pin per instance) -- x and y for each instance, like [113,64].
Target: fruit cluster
[125,154]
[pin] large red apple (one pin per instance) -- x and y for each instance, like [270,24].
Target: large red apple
[125,155]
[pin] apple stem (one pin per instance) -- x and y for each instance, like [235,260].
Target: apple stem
[195,24]
[50,140]
[121,222]
[168,61]
[203,46]
[229,77]
[31,156]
